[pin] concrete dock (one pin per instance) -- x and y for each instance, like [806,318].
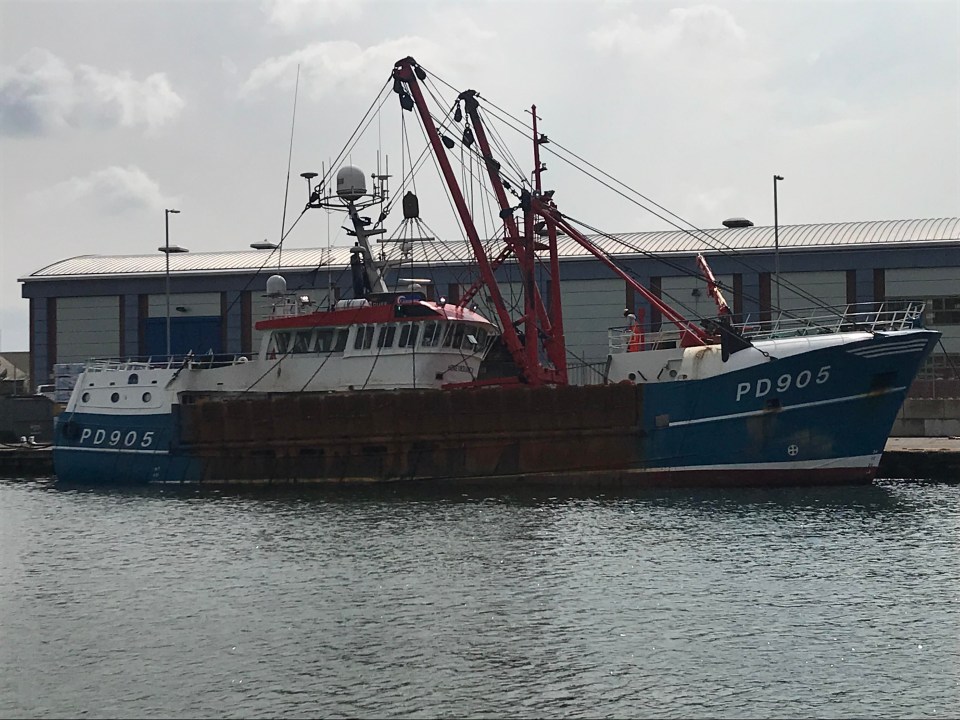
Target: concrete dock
[24,461]
[925,458]
[913,458]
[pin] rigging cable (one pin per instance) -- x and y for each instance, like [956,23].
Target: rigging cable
[293,120]
[705,237]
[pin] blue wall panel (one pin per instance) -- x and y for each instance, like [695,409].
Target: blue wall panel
[199,334]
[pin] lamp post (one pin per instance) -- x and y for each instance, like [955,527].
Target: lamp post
[776,241]
[166,249]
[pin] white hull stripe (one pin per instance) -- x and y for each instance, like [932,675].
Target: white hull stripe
[893,348]
[858,461]
[788,408]
[122,451]
[885,353]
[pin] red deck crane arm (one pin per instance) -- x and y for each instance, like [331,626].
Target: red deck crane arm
[523,249]
[691,334]
[475,288]
[405,72]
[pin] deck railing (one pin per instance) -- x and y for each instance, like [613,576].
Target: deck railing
[151,362]
[869,317]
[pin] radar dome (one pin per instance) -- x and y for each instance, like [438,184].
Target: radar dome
[351,183]
[276,286]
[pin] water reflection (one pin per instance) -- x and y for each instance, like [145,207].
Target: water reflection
[412,602]
[870,498]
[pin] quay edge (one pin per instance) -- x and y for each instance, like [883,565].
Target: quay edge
[907,458]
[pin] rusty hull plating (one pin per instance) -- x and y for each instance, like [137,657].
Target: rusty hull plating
[520,432]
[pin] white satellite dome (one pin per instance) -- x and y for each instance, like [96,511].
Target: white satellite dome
[276,286]
[351,183]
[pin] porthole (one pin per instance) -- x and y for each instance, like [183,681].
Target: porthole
[85,397]
[146,397]
[115,397]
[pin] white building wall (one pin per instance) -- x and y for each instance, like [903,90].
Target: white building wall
[88,327]
[678,293]
[590,309]
[920,283]
[823,288]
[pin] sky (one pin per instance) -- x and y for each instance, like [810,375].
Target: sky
[111,112]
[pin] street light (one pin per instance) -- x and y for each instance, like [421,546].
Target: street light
[776,240]
[166,249]
[264,245]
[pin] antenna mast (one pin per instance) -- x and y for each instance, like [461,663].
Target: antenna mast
[293,120]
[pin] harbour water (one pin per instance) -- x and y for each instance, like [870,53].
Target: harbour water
[827,602]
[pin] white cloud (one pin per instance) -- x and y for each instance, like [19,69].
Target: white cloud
[40,94]
[461,26]
[113,191]
[338,66]
[696,29]
[713,202]
[292,15]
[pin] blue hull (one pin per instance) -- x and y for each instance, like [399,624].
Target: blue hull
[91,448]
[817,417]
[814,411]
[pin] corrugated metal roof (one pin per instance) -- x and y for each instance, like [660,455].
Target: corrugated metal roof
[791,237]
[191,262]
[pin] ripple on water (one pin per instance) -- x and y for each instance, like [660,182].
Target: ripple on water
[835,602]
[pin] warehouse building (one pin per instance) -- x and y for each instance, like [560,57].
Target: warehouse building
[109,306]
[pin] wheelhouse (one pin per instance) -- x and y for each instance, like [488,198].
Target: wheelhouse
[419,334]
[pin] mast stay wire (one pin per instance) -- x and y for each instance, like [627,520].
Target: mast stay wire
[704,236]
[453,209]
[521,128]
[721,248]
[358,132]
[475,154]
[286,191]
[711,241]
[476,173]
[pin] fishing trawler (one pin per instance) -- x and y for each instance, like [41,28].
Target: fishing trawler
[388,386]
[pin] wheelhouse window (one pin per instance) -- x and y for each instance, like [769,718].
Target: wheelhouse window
[364,337]
[471,339]
[454,335]
[447,335]
[280,342]
[432,333]
[301,341]
[408,335]
[386,336]
[474,339]
[323,342]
